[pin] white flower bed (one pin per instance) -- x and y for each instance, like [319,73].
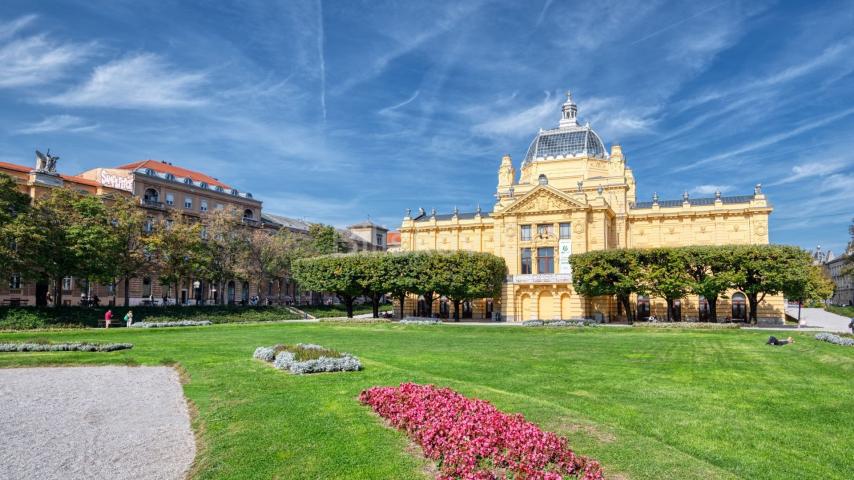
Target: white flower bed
[420,321]
[577,322]
[533,323]
[285,360]
[695,325]
[180,323]
[64,347]
[835,339]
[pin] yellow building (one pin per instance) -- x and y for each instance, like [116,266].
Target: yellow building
[572,196]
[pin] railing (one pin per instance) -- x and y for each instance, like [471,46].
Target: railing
[541,278]
[251,222]
[147,202]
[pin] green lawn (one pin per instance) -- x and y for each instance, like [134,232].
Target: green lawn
[844,311]
[648,404]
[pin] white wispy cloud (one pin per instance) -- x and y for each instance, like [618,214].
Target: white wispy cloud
[137,81]
[517,122]
[392,108]
[411,42]
[36,60]
[710,189]
[321,38]
[12,27]
[59,123]
[767,141]
[811,169]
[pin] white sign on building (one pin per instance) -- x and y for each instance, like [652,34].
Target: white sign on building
[120,182]
[564,252]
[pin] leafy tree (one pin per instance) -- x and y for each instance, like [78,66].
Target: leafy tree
[470,275]
[178,250]
[665,275]
[280,251]
[13,204]
[372,277]
[337,273]
[711,274]
[68,234]
[227,243]
[761,270]
[808,283]
[326,239]
[128,255]
[432,277]
[399,275]
[608,272]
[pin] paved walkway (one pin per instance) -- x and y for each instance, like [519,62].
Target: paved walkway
[820,318]
[93,423]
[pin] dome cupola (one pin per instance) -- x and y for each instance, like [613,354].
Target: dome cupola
[569,139]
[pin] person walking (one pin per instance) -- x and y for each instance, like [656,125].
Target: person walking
[108,317]
[129,318]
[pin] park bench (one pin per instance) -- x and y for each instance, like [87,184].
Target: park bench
[16,302]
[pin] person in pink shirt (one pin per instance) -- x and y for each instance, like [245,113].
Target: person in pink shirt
[108,317]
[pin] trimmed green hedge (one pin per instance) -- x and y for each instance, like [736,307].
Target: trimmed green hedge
[26,318]
[327,311]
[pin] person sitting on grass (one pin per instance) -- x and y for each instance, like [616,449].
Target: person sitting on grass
[772,340]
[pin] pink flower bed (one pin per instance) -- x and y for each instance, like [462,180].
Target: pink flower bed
[475,441]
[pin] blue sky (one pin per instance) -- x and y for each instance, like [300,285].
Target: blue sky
[336,111]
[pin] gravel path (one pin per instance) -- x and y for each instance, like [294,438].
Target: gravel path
[94,423]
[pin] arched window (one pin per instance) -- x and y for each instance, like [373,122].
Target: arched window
[245,293]
[234,192]
[230,292]
[467,309]
[188,181]
[643,307]
[149,171]
[150,196]
[739,307]
[219,189]
[443,307]
[247,214]
[204,184]
[543,180]
[169,176]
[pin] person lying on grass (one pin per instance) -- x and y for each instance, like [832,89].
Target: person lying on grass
[772,340]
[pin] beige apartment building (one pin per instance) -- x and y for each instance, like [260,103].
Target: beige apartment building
[572,195]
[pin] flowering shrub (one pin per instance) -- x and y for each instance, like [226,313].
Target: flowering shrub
[307,358]
[420,321]
[180,323]
[533,323]
[835,339]
[64,347]
[475,441]
[698,325]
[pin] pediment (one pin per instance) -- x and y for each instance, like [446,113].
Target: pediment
[544,199]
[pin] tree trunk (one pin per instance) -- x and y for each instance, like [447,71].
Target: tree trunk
[428,307]
[456,310]
[713,308]
[669,302]
[627,306]
[401,297]
[177,283]
[348,303]
[375,304]
[127,290]
[57,285]
[754,303]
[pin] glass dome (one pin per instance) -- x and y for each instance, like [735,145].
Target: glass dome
[569,139]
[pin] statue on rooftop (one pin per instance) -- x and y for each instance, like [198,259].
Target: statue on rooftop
[45,162]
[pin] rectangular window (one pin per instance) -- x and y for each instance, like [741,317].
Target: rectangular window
[204,233]
[526,262]
[219,206]
[66,283]
[203,206]
[380,239]
[168,224]
[188,202]
[545,230]
[526,233]
[545,260]
[170,199]
[149,225]
[565,231]
[15,282]
[146,287]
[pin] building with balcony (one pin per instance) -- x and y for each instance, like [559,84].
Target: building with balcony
[572,195]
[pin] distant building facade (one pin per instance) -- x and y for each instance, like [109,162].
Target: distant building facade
[573,196]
